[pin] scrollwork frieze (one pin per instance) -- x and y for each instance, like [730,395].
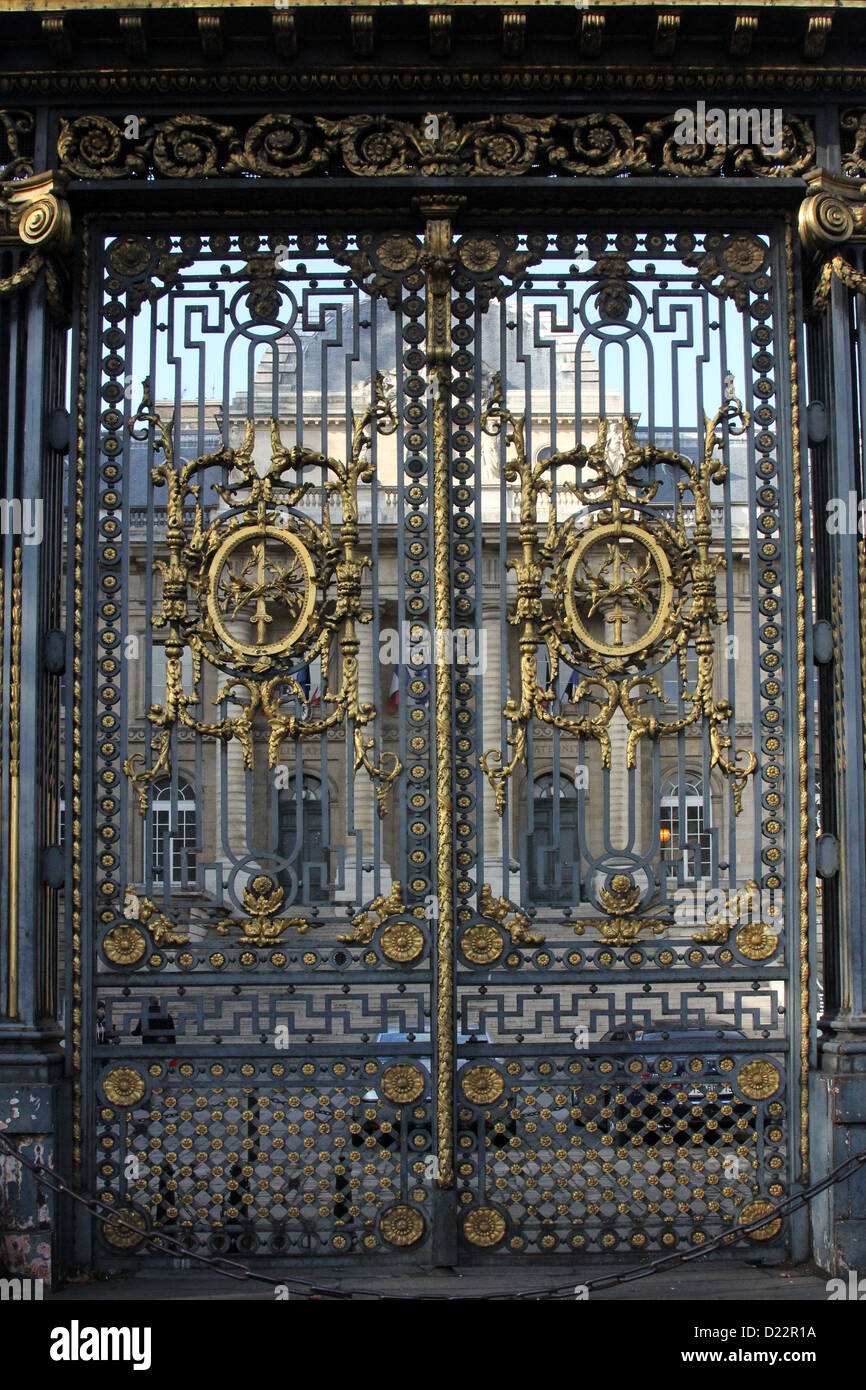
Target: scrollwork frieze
[436,146]
[16,145]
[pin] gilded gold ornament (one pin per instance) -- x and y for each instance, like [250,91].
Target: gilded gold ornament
[365,922]
[622,583]
[124,945]
[33,211]
[653,572]
[482,944]
[147,268]
[263,898]
[482,1085]
[42,218]
[756,941]
[280,144]
[254,584]
[130,256]
[161,928]
[120,1236]
[621,899]
[401,1225]
[75,908]
[398,252]
[439,254]
[35,215]
[242,592]
[402,1083]
[478,253]
[402,941]
[383,775]
[745,253]
[727,264]
[509,917]
[752,1211]
[758,1079]
[16,144]
[124,1086]
[484,1226]
[832,214]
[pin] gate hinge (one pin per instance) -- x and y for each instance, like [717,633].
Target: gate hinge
[58,431]
[823,646]
[54,651]
[817,428]
[53,866]
[827,856]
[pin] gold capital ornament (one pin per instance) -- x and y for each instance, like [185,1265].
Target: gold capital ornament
[832,215]
[35,215]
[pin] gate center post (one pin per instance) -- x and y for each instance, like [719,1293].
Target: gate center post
[438,262]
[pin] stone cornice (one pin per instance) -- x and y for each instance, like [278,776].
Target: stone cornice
[723,83]
[545,46]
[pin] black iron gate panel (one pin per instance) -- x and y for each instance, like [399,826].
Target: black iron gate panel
[256,476]
[630,942]
[438,736]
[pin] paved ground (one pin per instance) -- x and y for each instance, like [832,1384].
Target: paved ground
[712,1281]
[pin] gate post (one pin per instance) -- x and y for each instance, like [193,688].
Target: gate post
[34,224]
[833,215]
[439,257]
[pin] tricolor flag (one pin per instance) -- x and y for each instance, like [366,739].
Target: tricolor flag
[410,673]
[542,664]
[309,678]
[569,681]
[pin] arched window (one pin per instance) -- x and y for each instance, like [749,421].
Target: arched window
[552,847]
[309,859]
[173,838]
[684,826]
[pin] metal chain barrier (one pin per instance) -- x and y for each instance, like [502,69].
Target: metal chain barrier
[232,1269]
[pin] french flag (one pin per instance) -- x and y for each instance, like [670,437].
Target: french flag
[309,678]
[542,663]
[567,680]
[569,693]
[410,673]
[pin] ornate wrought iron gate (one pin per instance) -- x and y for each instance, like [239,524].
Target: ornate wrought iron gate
[438,734]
